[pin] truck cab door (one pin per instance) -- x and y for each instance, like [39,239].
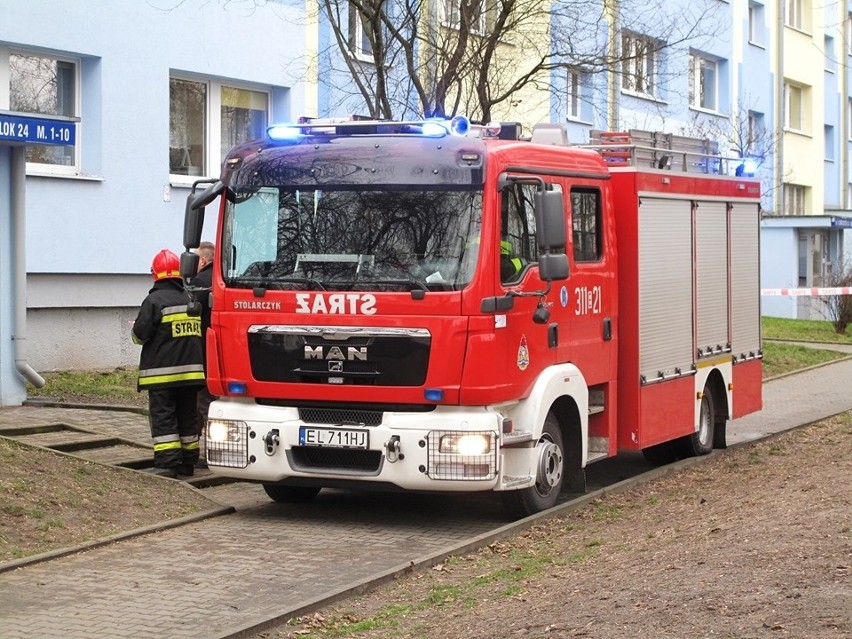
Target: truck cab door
[587,301]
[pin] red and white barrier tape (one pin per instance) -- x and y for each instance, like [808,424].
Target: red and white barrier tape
[814,292]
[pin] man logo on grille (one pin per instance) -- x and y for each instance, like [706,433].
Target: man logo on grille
[335,366]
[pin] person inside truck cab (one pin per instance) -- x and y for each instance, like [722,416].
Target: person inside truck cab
[517,232]
[511,264]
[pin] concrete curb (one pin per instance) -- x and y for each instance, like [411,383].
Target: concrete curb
[50,403]
[96,543]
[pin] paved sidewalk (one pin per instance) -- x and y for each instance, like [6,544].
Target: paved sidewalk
[226,576]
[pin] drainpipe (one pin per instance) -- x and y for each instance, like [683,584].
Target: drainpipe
[19,268]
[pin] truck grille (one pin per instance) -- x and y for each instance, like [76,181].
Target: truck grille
[342,355]
[340,416]
[308,459]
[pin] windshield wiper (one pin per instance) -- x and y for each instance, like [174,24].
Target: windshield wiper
[271,282]
[307,281]
[411,283]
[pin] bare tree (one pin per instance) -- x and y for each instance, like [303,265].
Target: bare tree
[838,308]
[407,57]
[743,134]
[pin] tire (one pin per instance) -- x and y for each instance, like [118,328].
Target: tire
[550,474]
[701,441]
[290,494]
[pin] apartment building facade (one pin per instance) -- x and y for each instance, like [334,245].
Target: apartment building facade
[157,92]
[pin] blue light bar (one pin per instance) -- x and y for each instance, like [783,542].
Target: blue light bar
[435,128]
[283,132]
[433,394]
[237,388]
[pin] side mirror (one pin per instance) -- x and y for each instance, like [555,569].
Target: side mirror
[193,219]
[550,221]
[553,266]
[551,235]
[188,265]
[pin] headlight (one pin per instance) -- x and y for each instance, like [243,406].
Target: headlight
[225,432]
[227,443]
[468,444]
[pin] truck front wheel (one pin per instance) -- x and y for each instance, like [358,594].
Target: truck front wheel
[290,494]
[550,472]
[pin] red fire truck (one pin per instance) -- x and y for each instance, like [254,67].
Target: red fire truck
[436,306]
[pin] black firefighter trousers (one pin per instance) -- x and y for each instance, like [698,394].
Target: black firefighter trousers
[171,413]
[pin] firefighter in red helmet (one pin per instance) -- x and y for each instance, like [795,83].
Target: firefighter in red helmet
[171,366]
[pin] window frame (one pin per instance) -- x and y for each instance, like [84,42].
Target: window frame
[755,131]
[697,84]
[580,250]
[794,199]
[639,65]
[46,168]
[575,92]
[828,143]
[796,14]
[357,35]
[755,23]
[451,16]
[791,91]
[213,154]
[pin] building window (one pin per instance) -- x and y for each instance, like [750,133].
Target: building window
[794,103]
[359,33]
[451,15]
[755,23]
[796,14]
[639,64]
[794,199]
[44,85]
[829,54]
[755,133]
[575,94]
[703,82]
[829,142]
[196,146]
[586,225]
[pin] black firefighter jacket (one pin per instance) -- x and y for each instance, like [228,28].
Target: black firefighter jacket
[171,339]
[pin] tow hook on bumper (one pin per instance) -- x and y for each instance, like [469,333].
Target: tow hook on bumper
[271,441]
[392,448]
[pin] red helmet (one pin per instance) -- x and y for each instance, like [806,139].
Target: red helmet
[166,264]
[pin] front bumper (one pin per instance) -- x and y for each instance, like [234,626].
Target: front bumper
[446,449]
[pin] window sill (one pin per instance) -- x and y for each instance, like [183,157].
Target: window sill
[798,132]
[643,96]
[573,120]
[757,45]
[799,30]
[64,176]
[706,111]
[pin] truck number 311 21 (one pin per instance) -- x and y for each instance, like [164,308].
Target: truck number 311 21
[588,300]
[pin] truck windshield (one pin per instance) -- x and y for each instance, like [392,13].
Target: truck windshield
[339,239]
